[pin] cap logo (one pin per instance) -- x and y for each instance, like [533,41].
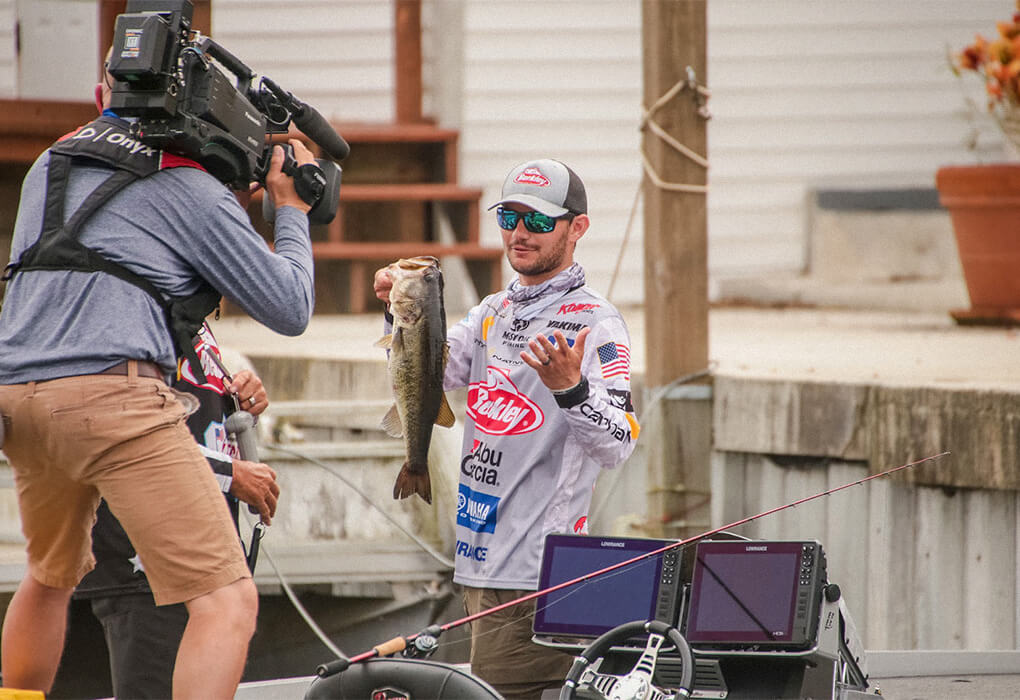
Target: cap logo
[532,176]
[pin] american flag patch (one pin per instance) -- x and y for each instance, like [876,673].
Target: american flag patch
[615,360]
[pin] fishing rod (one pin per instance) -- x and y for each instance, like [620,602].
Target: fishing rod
[425,641]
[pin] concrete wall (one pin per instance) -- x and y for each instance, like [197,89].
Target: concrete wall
[927,559]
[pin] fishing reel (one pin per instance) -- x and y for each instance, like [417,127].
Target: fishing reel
[424,644]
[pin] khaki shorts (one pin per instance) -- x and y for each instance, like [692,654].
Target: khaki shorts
[502,652]
[124,438]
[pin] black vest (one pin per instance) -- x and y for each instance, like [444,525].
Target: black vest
[108,141]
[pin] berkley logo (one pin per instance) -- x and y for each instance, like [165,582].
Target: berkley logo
[532,176]
[499,408]
[576,308]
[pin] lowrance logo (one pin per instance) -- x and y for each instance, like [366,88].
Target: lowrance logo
[499,408]
[603,543]
[756,548]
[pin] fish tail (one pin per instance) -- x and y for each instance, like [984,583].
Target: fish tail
[413,479]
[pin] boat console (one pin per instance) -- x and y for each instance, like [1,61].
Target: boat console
[760,617]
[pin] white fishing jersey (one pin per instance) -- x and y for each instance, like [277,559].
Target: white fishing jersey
[528,466]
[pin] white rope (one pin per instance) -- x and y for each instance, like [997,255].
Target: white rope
[701,94]
[623,245]
[647,122]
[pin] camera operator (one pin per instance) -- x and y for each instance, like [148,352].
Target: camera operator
[85,352]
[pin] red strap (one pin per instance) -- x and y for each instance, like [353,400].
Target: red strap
[170,160]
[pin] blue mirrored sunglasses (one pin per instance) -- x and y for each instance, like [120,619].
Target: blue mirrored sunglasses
[534,221]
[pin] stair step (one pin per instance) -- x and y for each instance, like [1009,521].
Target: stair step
[390,132]
[409,192]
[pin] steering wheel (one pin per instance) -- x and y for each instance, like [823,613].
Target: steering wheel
[636,684]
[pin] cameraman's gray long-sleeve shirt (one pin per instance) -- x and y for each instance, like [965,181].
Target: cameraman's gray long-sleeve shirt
[175,228]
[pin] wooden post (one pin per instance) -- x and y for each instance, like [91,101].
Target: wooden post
[676,246]
[407,61]
[676,269]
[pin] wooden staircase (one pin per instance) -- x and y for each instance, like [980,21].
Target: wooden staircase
[399,198]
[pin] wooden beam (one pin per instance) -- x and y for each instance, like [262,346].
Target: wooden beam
[407,60]
[28,127]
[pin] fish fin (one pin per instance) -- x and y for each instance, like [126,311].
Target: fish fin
[446,418]
[410,481]
[391,423]
[385,341]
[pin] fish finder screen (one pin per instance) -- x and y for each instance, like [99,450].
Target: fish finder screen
[590,608]
[743,596]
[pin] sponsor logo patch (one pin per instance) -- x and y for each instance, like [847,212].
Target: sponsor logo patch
[477,511]
[615,360]
[576,308]
[482,464]
[473,552]
[621,399]
[532,176]
[499,408]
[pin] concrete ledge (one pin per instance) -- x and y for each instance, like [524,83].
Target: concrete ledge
[945,662]
[885,426]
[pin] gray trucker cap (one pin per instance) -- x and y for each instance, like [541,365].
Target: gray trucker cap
[547,186]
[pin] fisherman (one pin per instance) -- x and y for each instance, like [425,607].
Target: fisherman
[547,366]
[86,344]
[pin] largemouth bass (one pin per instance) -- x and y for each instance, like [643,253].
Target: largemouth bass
[417,360]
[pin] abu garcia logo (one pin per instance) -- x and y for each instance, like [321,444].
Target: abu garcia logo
[482,464]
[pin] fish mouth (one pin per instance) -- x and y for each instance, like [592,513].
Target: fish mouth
[418,263]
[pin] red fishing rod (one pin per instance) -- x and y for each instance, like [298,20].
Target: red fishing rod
[429,635]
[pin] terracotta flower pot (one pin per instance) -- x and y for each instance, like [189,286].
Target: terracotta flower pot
[984,205]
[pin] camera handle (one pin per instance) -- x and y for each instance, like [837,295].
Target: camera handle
[318,184]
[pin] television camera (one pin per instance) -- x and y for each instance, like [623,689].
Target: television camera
[174,82]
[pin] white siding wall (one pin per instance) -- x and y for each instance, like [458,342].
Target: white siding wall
[8,54]
[806,94]
[334,54]
[563,80]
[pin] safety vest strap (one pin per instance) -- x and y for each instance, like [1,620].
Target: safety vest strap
[58,247]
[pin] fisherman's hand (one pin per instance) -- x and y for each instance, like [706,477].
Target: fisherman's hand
[382,285]
[559,365]
[280,185]
[255,484]
[250,392]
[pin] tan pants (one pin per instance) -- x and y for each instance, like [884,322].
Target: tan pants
[502,652]
[71,440]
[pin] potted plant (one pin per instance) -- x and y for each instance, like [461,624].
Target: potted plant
[984,200]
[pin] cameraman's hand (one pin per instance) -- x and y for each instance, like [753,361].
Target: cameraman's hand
[255,484]
[281,186]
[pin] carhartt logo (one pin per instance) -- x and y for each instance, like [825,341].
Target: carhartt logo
[532,176]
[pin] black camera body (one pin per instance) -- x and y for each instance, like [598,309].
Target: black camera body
[169,79]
